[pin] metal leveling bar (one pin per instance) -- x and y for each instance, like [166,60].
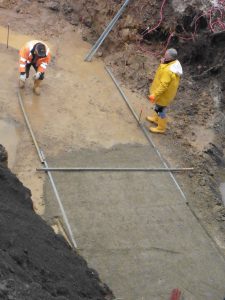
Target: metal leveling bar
[145,132]
[29,127]
[60,203]
[43,161]
[106,32]
[115,169]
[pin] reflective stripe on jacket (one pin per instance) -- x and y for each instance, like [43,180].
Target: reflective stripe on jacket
[166,82]
[26,57]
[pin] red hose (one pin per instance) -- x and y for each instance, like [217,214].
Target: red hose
[215,23]
[175,295]
[160,21]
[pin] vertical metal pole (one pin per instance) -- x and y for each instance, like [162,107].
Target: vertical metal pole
[7,43]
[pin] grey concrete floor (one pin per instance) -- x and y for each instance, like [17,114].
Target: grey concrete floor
[135,228]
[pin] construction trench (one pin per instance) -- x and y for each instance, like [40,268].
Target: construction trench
[143,229]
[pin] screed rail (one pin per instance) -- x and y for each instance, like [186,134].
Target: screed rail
[106,32]
[30,128]
[115,169]
[43,161]
[145,132]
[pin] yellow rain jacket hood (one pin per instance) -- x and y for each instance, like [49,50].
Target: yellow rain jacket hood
[166,82]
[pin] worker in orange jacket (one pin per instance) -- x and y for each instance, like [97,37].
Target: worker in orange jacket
[36,54]
[164,88]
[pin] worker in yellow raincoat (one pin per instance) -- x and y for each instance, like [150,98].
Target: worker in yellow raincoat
[164,88]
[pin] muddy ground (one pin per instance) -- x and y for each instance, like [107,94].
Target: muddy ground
[197,124]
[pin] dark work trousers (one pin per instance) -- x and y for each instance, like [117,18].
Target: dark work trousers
[160,110]
[35,68]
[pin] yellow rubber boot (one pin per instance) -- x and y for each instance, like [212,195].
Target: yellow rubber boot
[161,128]
[36,87]
[153,119]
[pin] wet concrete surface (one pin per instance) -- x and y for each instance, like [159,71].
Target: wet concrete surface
[134,228]
[9,137]
[74,96]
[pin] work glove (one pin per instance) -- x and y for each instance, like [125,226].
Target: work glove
[37,76]
[152,98]
[23,77]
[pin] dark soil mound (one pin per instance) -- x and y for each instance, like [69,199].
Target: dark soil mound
[35,263]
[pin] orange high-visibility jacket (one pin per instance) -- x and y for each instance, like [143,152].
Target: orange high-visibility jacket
[26,57]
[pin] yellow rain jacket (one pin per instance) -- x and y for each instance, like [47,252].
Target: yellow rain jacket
[166,82]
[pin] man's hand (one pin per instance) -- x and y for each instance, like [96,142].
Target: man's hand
[23,77]
[37,76]
[152,98]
